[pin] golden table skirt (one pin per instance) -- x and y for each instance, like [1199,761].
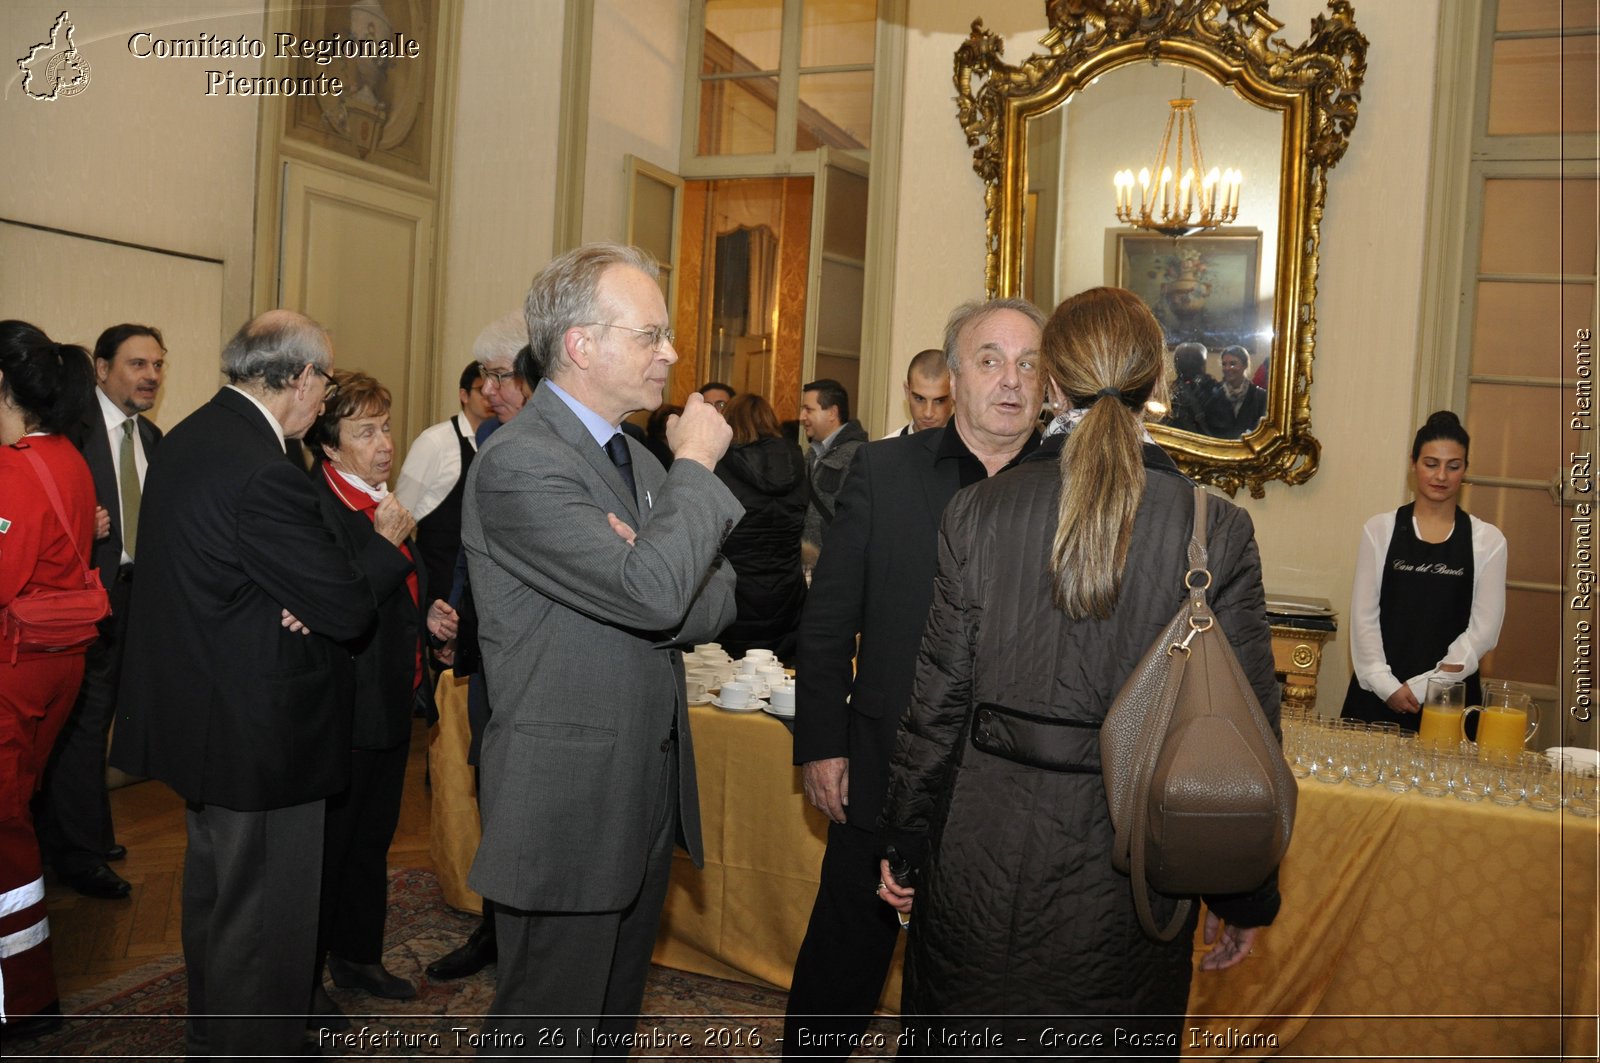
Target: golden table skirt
[1411,926]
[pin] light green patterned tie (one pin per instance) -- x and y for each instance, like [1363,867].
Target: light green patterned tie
[128,481]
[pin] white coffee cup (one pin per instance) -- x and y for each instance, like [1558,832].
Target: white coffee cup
[748,666]
[760,654]
[695,691]
[758,687]
[772,673]
[783,698]
[709,647]
[735,695]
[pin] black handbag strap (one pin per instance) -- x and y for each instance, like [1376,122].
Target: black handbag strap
[42,471]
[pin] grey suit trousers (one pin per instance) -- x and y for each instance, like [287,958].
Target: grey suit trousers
[251,882]
[570,984]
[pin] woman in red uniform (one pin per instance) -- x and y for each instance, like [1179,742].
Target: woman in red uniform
[43,386]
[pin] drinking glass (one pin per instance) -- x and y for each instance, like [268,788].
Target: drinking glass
[1399,761]
[1435,769]
[1505,778]
[1541,783]
[1472,777]
[1363,756]
[1583,792]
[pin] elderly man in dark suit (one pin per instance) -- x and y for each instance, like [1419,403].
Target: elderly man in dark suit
[236,689]
[118,442]
[875,580]
[591,567]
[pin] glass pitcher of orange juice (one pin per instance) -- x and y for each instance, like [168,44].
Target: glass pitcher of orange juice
[1507,719]
[1442,723]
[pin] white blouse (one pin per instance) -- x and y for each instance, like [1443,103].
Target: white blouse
[1483,628]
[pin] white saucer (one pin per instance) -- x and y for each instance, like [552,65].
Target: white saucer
[787,714]
[753,705]
[707,700]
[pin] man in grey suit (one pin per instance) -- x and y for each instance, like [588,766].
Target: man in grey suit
[591,566]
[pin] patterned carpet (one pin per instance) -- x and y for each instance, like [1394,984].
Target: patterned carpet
[139,1015]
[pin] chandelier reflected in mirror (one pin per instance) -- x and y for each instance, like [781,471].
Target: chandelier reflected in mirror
[1178,196]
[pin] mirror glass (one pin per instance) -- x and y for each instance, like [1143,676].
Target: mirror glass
[1212,291]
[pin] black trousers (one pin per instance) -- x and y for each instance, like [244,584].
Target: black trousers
[355,860]
[250,889]
[74,810]
[848,947]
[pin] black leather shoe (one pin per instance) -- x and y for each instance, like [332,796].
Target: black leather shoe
[474,955]
[30,1027]
[116,852]
[369,978]
[101,882]
[325,1014]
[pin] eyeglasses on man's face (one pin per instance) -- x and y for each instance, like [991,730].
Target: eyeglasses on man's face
[498,377]
[330,387]
[659,335]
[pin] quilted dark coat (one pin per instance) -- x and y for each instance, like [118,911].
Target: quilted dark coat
[768,477]
[1019,911]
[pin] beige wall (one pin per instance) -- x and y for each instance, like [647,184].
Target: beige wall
[635,102]
[1368,303]
[500,196]
[143,156]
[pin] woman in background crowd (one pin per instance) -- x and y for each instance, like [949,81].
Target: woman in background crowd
[1430,588]
[355,454]
[1236,405]
[1053,581]
[767,474]
[43,389]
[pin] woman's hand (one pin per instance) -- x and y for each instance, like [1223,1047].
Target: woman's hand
[442,620]
[1402,700]
[1233,945]
[894,895]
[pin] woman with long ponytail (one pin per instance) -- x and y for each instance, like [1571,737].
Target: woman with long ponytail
[1054,578]
[43,388]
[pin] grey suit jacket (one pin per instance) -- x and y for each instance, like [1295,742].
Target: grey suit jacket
[579,633]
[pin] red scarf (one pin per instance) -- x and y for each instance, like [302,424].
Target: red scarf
[362,502]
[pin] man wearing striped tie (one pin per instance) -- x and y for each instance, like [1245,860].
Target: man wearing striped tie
[118,442]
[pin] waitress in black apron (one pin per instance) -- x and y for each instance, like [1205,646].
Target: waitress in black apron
[1430,588]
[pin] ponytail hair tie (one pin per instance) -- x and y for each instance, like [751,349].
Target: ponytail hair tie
[1113,393]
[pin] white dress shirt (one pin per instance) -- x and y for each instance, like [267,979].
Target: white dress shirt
[432,466]
[1466,649]
[115,419]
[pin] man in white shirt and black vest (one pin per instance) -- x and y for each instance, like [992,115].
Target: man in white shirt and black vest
[434,474]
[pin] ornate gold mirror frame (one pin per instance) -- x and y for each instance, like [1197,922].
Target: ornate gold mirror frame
[1317,89]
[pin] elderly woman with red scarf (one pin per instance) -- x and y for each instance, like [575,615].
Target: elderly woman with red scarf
[354,457]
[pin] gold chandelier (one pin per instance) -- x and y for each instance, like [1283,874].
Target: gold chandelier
[1181,197]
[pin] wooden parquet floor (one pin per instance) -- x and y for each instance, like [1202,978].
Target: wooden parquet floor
[96,940]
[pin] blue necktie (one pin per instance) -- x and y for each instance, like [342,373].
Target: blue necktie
[617,450]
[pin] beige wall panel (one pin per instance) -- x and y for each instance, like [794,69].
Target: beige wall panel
[355,258]
[1514,15]
[499,218]
[142,155]
[1529,520]
[1516,430]
[1529,639]
[109,285]
[1518,331]
[640,113]
[1543,85]
[1538,225]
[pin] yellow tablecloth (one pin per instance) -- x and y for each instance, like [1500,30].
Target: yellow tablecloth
[1410,925]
